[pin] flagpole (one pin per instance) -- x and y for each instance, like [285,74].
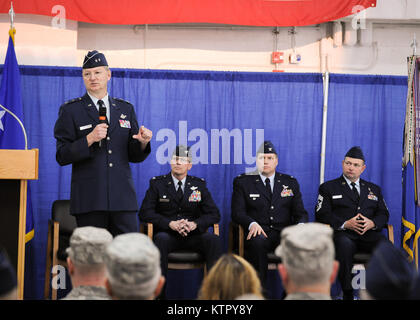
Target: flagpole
[12,32]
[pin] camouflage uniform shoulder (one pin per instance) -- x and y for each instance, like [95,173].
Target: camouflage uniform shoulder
[157,178]
[88,293]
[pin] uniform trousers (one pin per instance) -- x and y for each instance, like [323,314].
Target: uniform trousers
[207,244]
[256,250]
[345,248]
[116,222]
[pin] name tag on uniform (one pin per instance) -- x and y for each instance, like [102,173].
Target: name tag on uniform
[254,196]
[125,124]
[88,126]
[163,199]
[338,196]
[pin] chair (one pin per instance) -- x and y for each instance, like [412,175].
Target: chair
[236,245]
[60,229]
[360,259]
[182,259]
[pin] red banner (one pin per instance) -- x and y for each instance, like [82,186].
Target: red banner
[234,12]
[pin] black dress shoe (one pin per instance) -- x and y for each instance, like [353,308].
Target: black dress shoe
[348,295]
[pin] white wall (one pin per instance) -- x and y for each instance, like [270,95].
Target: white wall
[380,48]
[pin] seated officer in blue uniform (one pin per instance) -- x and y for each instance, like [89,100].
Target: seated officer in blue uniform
[102,190]
[265,202]
[181,209]
[357,212]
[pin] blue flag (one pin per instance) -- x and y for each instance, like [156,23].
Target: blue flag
[411,170]
[411,214]
[11,135]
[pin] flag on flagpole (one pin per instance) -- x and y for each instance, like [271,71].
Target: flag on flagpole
[411,161]
[11,135]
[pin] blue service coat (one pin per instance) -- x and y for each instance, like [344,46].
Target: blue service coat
[160,205]
[251,202]
[337,203]
[101,177]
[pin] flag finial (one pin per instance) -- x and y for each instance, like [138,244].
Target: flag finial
[12,14]
[414,45]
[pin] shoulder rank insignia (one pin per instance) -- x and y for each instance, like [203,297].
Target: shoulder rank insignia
[122,100]
[73,100]
[159,177]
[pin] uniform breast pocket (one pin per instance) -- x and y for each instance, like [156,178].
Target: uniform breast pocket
[164,204]
[192,204]
[338,201]
[371,204]
[255,201]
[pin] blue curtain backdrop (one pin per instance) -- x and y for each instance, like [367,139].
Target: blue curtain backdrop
[369,111]
[195,107]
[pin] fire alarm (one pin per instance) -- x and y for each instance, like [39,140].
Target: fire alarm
[277,57]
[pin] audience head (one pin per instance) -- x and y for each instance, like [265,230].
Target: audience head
[389,274]
[307,252]
[229,278]
[133,267]
[86,255]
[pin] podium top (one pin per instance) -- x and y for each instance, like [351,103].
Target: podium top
[19,164]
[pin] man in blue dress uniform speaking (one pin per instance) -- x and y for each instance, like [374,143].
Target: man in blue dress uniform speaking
[99,136]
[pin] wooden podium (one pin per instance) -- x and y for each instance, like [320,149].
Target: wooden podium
[16,168]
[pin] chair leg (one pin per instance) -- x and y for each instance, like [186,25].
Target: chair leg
[56,230]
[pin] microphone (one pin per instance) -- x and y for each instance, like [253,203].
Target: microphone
[102,117]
